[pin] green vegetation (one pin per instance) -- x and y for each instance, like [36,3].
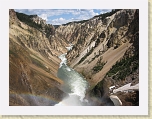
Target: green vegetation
[49,30]
[101,16]
[11,52]
[56,26]
[124,67]
[98,90]
[96,56]
[37,63]
[27,20]
[82,21]
[98,67]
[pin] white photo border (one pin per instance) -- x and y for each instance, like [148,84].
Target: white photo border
[142,109]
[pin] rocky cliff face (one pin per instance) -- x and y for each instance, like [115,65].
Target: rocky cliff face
[33,65]
[38,20]
[101,45]
[105,51]
[97,39]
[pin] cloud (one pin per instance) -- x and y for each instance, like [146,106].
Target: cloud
[44,16]
[104,10]
[62,16]
[59,21]
[92,13]
[86,14]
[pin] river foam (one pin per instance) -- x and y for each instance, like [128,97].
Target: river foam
[74,84]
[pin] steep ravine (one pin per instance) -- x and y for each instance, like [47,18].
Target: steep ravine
[105,46]
[33,65]
[76,87]
[105,54]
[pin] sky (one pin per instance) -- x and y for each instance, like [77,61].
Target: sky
[62,16]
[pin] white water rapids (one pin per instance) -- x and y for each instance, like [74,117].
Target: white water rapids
[74,84]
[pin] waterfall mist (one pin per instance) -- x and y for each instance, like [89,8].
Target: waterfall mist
[74,84]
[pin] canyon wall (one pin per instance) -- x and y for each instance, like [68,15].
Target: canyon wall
[105,51]
[33,64]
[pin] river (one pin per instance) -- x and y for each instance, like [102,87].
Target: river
[74,84]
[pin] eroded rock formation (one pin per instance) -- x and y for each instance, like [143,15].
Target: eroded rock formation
[105,51]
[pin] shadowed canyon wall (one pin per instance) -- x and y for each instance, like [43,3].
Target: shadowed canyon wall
[105,51]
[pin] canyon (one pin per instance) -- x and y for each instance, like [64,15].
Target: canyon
[105,52]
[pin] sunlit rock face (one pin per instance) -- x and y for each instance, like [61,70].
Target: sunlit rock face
[95,48]
[101,43]
[33,65]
